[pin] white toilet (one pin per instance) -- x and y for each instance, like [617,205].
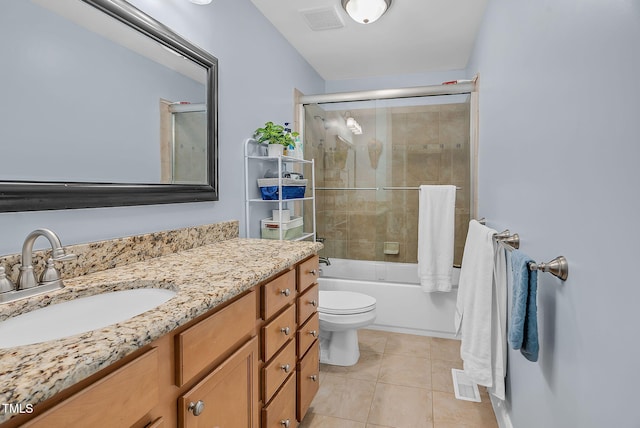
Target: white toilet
[341,314]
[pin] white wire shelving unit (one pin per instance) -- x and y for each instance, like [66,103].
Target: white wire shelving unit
[296,205]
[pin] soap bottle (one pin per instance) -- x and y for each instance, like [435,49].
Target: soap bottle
[292,151]
[299,149]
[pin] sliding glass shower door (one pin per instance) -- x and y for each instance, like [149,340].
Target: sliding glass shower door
[370,159]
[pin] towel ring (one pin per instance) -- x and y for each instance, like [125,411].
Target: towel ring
[558,267]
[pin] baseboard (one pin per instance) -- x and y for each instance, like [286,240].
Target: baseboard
[502,416]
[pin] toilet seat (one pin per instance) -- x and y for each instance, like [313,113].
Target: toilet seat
[345,302]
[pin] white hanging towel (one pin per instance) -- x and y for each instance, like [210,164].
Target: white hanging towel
[499,323]
[436,222]
[481,309]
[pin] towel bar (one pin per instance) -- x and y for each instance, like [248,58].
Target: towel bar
[507,238]
[558,267]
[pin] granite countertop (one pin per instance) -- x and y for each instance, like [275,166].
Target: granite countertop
[203,277]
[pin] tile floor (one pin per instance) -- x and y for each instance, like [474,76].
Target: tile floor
[401,381]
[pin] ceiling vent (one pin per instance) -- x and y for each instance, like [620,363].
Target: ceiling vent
[325,18]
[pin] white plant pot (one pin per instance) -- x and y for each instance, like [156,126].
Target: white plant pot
[275,150]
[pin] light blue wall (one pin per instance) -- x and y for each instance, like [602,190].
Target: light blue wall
[559,158]
[258,72]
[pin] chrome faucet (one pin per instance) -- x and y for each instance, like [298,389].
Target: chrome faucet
[50,276]
[324,260]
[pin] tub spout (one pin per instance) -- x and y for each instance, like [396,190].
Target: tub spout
[325,260]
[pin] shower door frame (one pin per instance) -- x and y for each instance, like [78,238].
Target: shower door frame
[464,87]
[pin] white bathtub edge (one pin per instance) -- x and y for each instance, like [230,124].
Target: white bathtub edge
[403,308]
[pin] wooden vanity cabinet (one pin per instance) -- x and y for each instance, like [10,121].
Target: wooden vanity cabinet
[249,363]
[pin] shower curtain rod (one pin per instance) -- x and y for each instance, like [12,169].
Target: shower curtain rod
[410,188]
[381,94]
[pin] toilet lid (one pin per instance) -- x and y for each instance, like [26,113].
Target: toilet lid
[345,302]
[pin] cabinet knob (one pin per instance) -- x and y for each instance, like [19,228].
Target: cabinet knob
[285,368]
[285,330]
[286,292]
[285,423]
[313,303]
[313,333]
[314,378]
[196,408]
[313,272]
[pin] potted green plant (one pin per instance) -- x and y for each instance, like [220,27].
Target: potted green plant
[277,137]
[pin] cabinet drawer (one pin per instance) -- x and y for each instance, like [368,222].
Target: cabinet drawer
[281,412]
[228,396]
[120,399]
[278,332]
[308,379]
[278,294]
[307,304]
[158,423]
[308,272]
[200,345]
[277,371]
[308,333]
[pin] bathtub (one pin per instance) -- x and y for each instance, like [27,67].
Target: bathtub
[401,306]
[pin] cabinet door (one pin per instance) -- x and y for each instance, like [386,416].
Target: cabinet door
[228,396]
[118,400]
[308,379]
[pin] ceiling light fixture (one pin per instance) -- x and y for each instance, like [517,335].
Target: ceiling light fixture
[200,1]
[366,11]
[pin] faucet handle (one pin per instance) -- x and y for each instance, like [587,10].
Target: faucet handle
[50,273]
[5,283]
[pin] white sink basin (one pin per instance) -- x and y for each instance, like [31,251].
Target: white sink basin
[79,315]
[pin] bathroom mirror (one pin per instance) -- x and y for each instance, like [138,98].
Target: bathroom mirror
[102,106]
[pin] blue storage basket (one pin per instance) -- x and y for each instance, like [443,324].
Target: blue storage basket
[291,188]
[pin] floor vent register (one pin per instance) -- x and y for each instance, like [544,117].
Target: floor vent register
[464,387]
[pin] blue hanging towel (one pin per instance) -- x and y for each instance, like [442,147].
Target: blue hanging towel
[523,328]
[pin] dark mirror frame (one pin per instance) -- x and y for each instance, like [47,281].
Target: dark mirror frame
[37,196]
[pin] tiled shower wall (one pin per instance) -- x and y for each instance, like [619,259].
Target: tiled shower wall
[416,145]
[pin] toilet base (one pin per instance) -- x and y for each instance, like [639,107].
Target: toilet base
[339,348]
